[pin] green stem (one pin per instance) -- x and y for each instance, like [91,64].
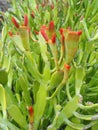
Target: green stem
[88,107]
[86,117]
[64,80]
[57,89]
[67,91]
[34,70]
[86,29]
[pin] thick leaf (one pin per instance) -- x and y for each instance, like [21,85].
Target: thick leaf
[17,116]
[69,128]
[3,100]
[10,97]
[74,125]
[5,123]
[3,76]
[24,36]
[6,62]
[95,127]
[94,80]
[39,105]
[86,117]
[56,79]
[18,43]
[4,32]
[51,128]
[32,4]
[43,47]
[80,73]
[32,67]
[25,87]
[46,73]
[68,110]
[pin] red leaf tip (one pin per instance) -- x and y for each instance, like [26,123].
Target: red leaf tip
[31,110]
[61,31]
[52,6]
[53,38]
[33,14]
[51,26]
[44,34]
[25,20]
[79,33]
[36,32]
[10,34]
[66,66]
[15,22]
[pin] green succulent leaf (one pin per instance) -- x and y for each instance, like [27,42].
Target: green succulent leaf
[17,116]
[40,105]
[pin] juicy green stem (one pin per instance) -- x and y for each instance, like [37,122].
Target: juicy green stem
[86,30]
[58,88]
[88,107]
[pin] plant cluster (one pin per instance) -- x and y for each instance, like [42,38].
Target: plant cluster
[49,65]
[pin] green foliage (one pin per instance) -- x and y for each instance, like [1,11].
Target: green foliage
[3,76]
[38,89]
[17,116]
